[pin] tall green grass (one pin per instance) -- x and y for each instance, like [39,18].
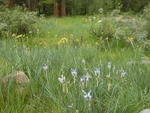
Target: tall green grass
[45,94]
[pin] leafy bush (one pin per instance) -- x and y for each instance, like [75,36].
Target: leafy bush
[120,29]
[17,21]
[147,17]
[104,29]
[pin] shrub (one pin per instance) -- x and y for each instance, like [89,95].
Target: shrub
[146,15]
[147,18]
[104,29]
[16,21]
[120,29]
[133,5]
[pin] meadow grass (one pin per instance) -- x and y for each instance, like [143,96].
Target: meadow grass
[111,92]
[51,30]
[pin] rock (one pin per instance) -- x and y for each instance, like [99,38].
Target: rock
[145,111]
[17,82]
[19,77]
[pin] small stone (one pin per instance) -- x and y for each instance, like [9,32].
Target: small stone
[19,77]
[145,111]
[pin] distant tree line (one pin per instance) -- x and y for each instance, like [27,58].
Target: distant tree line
[92,6]
[77,7]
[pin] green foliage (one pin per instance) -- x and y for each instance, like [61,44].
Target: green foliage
[134,5]
[122,29]
[76,7]
[42,2]
[104,29]
[16,21]
[147,17]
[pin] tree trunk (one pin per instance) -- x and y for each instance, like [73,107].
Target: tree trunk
[28,3]
[33,5]
[63,10]
[11,3]
[56,12]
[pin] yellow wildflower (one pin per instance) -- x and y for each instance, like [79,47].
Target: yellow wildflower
[130,38]
[148,40]
[24,35]
[19,36]
[13,35]
[65,40]
[62,41]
